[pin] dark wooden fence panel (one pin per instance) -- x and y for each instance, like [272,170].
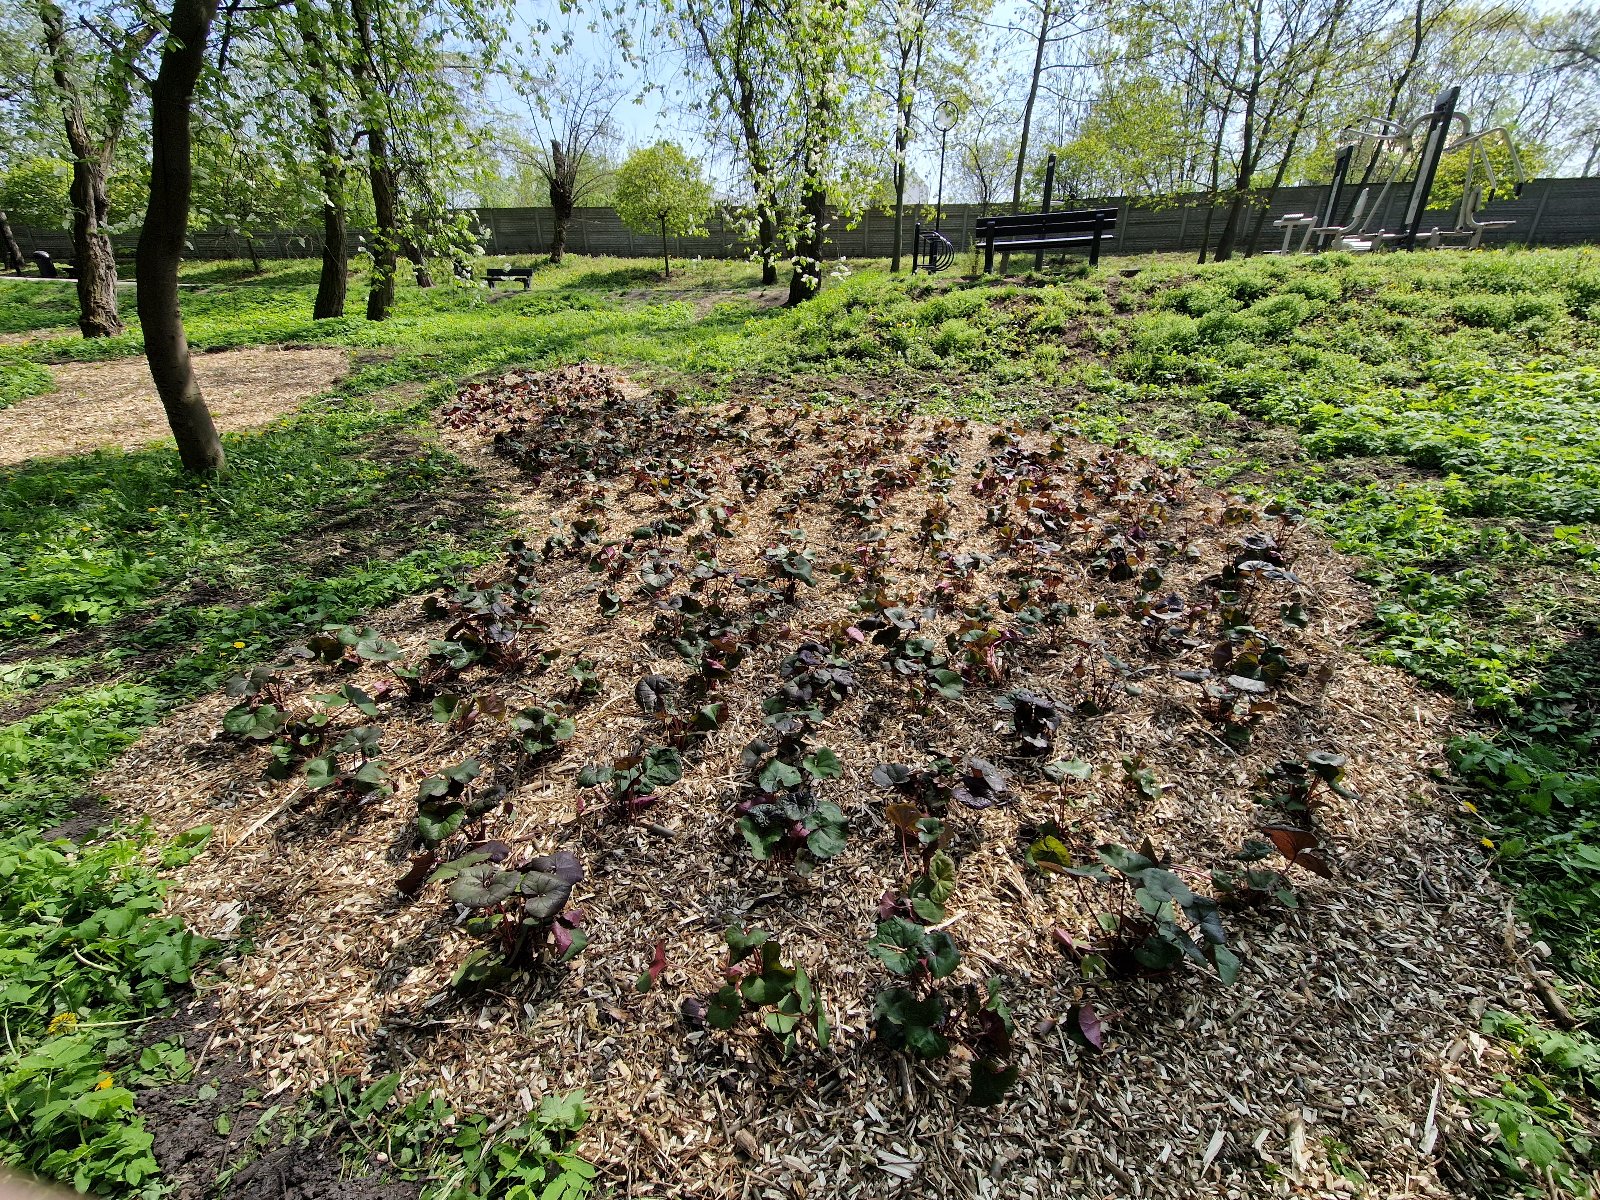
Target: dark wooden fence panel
[1550,212]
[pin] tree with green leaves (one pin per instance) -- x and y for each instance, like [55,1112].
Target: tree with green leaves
[166,225]
[734,52]
[91,59]
[929,47]
[661,187]
[37,191]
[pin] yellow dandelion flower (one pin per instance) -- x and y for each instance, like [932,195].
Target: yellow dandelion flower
[238,645]
[1488,843]
[35,617]
[104,1082]
[63,1022]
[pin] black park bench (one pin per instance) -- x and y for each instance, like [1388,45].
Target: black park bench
[1044,232]
[508,275]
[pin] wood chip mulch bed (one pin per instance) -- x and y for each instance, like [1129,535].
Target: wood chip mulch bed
[1336,1065]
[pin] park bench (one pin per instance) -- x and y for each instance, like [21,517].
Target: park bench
[508,275]
[1043,232]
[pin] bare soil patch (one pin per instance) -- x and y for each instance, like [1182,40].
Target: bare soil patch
[1333,1066]
[114,404]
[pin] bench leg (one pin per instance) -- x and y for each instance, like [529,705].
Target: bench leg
[988,255]
[1094,250]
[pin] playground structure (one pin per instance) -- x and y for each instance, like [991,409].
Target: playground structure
[1421,143]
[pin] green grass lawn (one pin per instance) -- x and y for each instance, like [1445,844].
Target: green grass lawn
[1436,414]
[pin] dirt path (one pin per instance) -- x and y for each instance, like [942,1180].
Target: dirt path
[114,404]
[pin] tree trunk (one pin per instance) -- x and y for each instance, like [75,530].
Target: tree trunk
[899,198]
[166,223]
[13,252]
[563,180]
[1027,109]
[767,231]
[96,265]
[91,247]
[334,282]
[666,263]
[806,279]
[380,172]
[380,295]
[419,264]
[1248,152]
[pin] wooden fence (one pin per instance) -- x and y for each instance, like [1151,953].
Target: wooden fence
[1550,212]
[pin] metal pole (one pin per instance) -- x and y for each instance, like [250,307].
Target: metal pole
[938,204]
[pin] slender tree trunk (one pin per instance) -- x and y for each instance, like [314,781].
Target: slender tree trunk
[563,180]
[767,231]
[334,281]
[900,140]
[419,263]
[666,262]
[905,97]
[1248,151]
[166,223]
[13,252]
[1418,37]
[380,295]
[91,246]
[380,173]
[1216,176]
[1045,14]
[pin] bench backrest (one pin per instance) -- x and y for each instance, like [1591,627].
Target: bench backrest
[1068,220]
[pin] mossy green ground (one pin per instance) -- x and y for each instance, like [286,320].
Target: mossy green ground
[1438,415]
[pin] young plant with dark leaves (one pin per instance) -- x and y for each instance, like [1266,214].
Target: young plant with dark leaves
[365,778]
[632,782]
[758,980]
[442,806]
[1158,922]
[780,814]
[918,1017]
[1034,719]
[520,912]
[540,731]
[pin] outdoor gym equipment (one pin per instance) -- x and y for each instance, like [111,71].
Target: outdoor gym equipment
[937,251]
[1419,144]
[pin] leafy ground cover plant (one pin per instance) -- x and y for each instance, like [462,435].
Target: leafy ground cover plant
[1157,923]
[632,781]
[758,980]
[519,911]
[781,816]
[922,1019]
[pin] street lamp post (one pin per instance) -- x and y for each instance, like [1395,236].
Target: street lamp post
[944,120]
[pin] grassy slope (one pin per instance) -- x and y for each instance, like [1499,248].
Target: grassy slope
[1438,414]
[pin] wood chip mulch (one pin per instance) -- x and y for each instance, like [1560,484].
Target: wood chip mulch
[1335,1066]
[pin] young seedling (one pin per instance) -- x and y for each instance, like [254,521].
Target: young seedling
[758,980]
[633,781]
[520,912]
[781,816]
[441,808]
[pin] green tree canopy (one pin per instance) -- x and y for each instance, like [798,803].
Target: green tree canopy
[661,188]
[33,191]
